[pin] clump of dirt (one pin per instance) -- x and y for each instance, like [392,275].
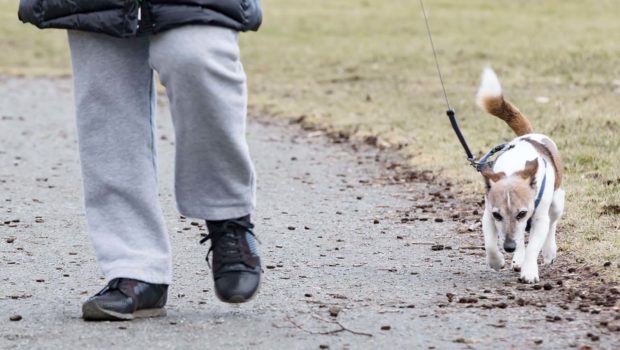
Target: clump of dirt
[611,209]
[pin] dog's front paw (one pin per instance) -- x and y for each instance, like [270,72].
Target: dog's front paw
[496,262]
[529,275]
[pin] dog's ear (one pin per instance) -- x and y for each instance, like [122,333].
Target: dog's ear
[491,177]
[529,172]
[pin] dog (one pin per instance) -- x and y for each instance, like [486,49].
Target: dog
[523,190]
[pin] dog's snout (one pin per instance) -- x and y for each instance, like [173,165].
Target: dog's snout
[510,245]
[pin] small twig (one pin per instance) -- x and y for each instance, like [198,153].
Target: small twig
[343,328]
[334,331]
[422,243]
[472,247]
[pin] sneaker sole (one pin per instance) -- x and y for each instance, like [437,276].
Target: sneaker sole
[92,312]
[239,299]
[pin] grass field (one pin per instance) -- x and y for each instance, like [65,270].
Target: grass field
[365,67]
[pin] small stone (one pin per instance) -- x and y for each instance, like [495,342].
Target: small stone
[334,311]
[291,228]
[438,220]
[468,300]
[614,326]
[10,240]
[308,295]
[323,346]
[436,247]
[450,297]
[538,341]
[15,318]
[386,328]
[375,221]
[547,286]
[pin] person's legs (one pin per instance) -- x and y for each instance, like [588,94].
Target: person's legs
[202,72]
[115,107]
[206,84]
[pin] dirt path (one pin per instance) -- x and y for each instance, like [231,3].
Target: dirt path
[397,261]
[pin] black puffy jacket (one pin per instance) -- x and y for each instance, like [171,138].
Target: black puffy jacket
[127,18]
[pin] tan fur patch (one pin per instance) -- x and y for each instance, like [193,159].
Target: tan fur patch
[507,112]
[548,150]
[529,171]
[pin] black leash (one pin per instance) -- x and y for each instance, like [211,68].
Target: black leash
[485,160]
[478,165]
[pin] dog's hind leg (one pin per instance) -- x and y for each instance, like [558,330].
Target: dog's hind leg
[495,258]
[550,248]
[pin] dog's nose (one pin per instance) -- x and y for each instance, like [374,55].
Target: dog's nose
[510,245]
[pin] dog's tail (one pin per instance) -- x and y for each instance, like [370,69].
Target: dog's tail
[490,99]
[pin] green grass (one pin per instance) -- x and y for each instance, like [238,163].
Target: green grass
[365,67]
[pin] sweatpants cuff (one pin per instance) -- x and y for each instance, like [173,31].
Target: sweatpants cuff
[138,274]
[214,213]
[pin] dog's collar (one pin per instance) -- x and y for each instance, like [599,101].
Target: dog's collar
[541,191]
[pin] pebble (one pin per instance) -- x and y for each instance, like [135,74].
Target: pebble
[15,318]
[468,300]
[614,326]
[386,328]
[334,311]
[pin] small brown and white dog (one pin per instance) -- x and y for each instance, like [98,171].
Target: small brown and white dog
[523,188]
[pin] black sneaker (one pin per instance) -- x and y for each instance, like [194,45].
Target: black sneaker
[236,264]
[126,299]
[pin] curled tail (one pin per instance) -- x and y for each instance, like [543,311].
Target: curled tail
[490,99]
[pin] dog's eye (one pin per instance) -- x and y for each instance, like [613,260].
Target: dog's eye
[521,214]
[497,216]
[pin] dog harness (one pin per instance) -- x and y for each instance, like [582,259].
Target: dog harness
[538,197]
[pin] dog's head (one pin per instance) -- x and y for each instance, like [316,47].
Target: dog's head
[510,200]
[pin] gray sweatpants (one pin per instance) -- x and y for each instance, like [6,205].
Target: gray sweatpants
[115,104]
